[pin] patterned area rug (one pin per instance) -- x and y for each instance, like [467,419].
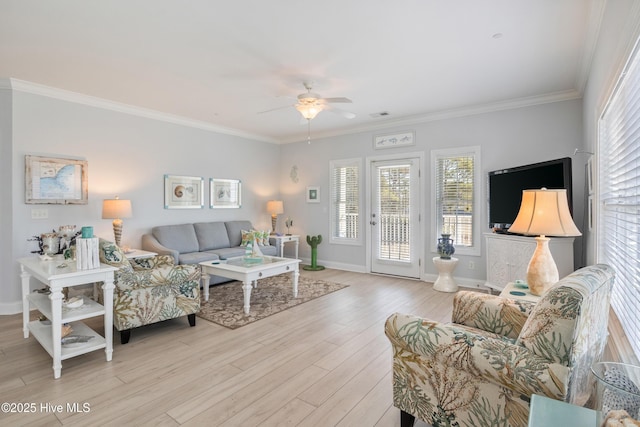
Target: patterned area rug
[273,295]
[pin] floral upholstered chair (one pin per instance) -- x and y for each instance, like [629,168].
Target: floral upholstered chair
[150,290]
[481,369]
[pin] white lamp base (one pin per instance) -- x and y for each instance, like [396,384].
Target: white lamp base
[542,271]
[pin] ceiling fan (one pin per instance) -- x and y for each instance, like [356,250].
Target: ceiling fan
[310,104]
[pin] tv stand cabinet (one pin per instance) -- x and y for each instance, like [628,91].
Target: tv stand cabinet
[508,257]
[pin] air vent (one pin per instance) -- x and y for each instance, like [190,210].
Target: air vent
[380,114]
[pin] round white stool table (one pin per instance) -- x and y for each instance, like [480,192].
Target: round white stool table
[445,282]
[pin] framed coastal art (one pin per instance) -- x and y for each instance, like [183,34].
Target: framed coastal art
[225,193]
[52,180]
[313,194]
[183,192]
[392,140]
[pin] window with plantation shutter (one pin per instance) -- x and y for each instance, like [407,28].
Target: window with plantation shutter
[618,196]
[345,201]
[455,183]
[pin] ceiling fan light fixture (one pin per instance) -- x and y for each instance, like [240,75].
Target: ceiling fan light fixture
[309,111]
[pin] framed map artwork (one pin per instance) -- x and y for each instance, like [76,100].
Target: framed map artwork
[52,180]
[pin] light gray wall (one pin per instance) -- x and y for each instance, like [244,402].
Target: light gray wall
[127,156]
[6,191]
[619,32]
[507,138]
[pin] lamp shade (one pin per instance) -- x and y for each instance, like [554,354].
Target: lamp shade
[116,209]
[275,207]
[544,212]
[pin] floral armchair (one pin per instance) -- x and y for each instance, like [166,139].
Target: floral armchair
[481,369]
[150,290]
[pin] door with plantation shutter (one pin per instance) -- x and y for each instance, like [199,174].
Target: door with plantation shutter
[395,216]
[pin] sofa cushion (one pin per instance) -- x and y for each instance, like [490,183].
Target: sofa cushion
[112,255]
[211,235]
[181,237]
[197,257]
[234,231]
[226,253]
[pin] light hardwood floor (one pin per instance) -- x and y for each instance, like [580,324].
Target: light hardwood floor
[323,363]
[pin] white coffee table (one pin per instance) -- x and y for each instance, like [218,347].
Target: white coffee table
[249,273]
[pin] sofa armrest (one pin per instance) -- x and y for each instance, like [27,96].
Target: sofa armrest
[445,348]
[491,313]
[150,243]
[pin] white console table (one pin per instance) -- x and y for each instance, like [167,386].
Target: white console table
[508,257]
[57,274]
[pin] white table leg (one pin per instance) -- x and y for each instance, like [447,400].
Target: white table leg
[205,285]
[294,278]
[56,329]
[25,302]
[246,291]
[281,251]
[107,295]
[297,244]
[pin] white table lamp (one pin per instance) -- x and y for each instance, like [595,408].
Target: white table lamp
[116,209]
[543,213]
[275,208]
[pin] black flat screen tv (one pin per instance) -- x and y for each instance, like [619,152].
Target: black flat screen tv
[506,185]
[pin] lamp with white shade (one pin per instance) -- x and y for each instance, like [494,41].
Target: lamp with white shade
[275,208]
[116,209]
[543,213]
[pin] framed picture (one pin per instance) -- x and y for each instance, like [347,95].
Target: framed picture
[183,192]
[52,180]
[313,194]
[394,140]
[225,193]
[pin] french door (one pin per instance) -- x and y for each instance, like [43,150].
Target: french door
[395,217]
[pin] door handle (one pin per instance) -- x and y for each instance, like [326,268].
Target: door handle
[372,222]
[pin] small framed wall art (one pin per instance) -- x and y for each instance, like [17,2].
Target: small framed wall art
[392,140]
[52,180]
[313,194]
[183,192]
[225,193]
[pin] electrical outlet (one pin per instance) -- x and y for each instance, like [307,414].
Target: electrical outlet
[472,265]
[39,213]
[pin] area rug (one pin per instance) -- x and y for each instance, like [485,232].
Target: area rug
[273,295]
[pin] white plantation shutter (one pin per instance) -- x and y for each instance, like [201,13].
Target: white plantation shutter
[618,196]
[455,185]
[345,201]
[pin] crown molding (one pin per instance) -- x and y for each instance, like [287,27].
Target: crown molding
[92,101]
[511,104]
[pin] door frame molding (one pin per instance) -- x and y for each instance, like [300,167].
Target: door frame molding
[421,191]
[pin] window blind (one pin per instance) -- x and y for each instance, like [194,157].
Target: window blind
[618,196]
[394,207]
[454,197]
[345,201]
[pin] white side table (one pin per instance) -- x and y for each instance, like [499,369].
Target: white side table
[445,282]
[139,254]
[58,274]
[281,240]
[518,291]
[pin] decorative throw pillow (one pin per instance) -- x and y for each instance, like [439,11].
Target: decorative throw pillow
[247,236]
[265,237]
[258,236]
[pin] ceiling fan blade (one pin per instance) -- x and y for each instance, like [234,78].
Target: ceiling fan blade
[343,113]
[334,100]
[274,109]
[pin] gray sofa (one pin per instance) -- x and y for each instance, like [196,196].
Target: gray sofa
[201,241]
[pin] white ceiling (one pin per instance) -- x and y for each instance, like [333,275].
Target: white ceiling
[221,63]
